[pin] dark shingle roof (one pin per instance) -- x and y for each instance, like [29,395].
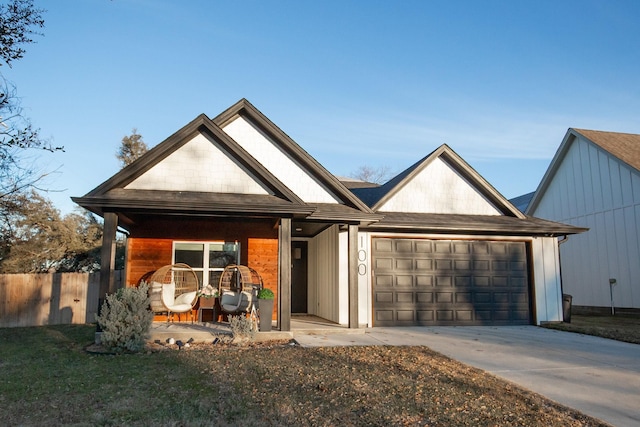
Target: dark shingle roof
[521,202]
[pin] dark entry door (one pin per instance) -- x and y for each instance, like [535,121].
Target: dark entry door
[299,277]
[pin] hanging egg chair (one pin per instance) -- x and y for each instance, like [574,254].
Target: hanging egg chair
[238,288]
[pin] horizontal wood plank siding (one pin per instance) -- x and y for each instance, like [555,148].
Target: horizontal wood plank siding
[150,244]
[145,256]
[263,257]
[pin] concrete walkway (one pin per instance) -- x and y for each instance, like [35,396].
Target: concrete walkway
[596,376]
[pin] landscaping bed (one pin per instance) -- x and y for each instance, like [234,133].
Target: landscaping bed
[49,378]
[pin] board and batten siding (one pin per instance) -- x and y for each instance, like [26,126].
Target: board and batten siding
[546,280]
[290,173]
[593,189]
[323,274]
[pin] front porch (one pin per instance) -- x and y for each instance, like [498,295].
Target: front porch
[207,332]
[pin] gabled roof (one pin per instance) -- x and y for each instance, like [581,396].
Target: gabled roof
[378,196]
[624,146]
[245,109]
[201,124]
[521,202]
[113,194]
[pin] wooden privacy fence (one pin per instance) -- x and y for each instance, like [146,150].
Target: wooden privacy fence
[50,299]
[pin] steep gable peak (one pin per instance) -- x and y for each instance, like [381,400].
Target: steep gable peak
[441,182]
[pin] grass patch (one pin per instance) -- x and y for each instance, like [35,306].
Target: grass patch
[48,378]
[619,327]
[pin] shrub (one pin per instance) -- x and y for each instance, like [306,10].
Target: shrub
[265,293]
[242,327]
[125,319]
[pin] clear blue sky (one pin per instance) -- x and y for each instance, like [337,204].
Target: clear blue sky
[378,83]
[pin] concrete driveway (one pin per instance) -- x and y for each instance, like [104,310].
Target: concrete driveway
[596,376]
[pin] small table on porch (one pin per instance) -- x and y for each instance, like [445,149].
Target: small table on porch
[212,304]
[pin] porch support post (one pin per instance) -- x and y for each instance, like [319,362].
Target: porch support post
[352,253]
[284,293]
[108,254]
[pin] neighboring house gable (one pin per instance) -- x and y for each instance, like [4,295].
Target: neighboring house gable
[593,182]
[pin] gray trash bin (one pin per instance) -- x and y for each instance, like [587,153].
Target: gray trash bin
[566,307]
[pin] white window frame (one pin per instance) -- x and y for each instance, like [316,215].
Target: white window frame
[205,269]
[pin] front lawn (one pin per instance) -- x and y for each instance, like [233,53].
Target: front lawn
[47,378]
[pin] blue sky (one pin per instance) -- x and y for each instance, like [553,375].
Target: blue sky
[378,83]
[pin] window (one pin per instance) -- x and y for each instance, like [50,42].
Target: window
[207,259]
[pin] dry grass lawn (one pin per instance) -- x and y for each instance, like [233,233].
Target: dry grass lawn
[47,378]
[619,327]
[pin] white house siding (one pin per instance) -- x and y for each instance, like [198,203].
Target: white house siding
[365,303]
[198,165]
[323,291]
[277,162]
[438,188]
[546,279]
[594,189]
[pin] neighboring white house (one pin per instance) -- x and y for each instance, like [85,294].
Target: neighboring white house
[594,182]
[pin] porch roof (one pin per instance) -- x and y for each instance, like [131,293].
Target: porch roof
[129,204]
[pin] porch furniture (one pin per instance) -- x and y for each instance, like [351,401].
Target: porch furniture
[212,303]
[182,303]
[238,287]
[184,281]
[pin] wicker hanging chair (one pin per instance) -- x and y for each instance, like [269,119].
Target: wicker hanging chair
[238,288]
[182,276]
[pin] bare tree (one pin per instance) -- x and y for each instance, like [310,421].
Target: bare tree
[131,148]
[19,20]
[377,175]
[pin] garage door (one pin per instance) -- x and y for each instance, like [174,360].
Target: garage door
[449,282]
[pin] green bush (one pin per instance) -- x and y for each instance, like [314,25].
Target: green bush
[125,319]
[265,293]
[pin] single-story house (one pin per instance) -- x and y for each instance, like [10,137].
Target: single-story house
[436,245]
[593,182]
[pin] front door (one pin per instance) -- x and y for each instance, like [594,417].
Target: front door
[299,277]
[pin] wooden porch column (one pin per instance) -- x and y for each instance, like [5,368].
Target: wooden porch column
[352,254]
[108,255]
[284,257]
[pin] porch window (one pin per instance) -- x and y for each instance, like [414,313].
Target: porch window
[207,259]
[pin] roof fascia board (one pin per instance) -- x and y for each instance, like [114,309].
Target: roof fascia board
[461,166]
[246,109]
[150,158]
[482,185]
[201,124]
[567,141]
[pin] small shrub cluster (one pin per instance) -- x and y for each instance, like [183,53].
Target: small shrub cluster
[125,319]
[242,327]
